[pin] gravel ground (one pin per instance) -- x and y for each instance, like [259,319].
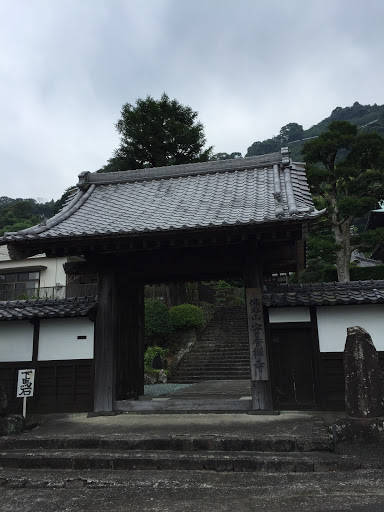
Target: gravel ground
[163,389]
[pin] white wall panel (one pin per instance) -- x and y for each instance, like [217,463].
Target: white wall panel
[59,339]
[16,341]
[289,314]
[334,320]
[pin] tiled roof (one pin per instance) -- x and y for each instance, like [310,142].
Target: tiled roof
[242,191]
[326,294]
[4,256]
[46,308]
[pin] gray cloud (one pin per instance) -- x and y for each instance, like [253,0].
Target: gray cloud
[247,67]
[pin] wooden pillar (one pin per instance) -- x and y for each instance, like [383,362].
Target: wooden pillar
[105,338]
[130,340]
[119,340]
[260,370]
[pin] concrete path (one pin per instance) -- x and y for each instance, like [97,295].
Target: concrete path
[286,424]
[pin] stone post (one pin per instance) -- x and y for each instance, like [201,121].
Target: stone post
[363,376]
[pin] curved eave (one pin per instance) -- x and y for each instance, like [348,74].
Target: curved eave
[172,230]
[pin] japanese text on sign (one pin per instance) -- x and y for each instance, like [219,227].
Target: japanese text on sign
[25,383]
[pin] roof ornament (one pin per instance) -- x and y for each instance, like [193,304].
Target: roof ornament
[285,157]
[43,220]
[279,210]
[83,179]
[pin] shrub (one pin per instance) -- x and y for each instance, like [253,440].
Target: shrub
[357,273]
[186,316]
[157,319]
[151,352]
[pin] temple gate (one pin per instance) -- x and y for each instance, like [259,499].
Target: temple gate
[244,217]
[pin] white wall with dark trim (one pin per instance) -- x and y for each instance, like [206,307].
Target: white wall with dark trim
[66,338]
[289,314]
[333,322]
[16,341]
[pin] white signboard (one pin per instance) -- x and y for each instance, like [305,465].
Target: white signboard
[25,383]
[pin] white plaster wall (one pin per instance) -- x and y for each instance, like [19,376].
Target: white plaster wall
[54,272]
[16,341]
[293,314]
[58,339]
[333,322]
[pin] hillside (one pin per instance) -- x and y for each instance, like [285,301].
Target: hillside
[367,117]
[16,214]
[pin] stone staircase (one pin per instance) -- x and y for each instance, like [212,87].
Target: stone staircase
[128,452]
[222,350]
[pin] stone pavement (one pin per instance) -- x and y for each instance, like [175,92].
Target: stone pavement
[287,423]
[191,491]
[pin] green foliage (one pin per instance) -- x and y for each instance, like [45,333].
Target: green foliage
[17,214]
[157,318]
[368,119]
[226,156]
[64,198]
[357,273]
[186,316]
[158,132]
[370,239]
[151,352]
[347,176]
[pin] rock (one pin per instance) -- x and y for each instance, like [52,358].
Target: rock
[162,377]
[363,377]
[3,401]
[12,424]
[149,379]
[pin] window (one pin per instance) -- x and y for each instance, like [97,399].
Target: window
[19,285]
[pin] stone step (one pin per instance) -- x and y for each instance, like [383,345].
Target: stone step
[193,379]
[213,365]
[214,371]
[238,461]
[321,441]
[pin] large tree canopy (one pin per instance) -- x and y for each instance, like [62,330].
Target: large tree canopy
[347,176]
[158,132]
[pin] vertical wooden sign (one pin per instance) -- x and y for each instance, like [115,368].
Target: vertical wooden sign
[256,335]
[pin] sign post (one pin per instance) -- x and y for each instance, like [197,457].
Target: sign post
[25,386]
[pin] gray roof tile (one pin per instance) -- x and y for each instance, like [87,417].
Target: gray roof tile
[46,308]
[325,294]
[245,191]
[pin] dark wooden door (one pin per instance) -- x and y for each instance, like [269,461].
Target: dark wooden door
[292,353]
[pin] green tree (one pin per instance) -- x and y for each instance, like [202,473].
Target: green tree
[347,174]
[154,133]
[226,156]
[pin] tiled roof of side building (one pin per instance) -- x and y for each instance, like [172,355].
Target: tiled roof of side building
[242,191]
[46,308]
[326,294]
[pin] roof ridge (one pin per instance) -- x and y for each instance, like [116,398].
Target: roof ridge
[182,170]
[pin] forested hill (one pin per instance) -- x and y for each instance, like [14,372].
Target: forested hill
[16,214]
[367,117]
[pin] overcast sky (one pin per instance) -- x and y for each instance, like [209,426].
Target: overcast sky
[247,66]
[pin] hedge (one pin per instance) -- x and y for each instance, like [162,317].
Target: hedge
[157,319]
[186,316]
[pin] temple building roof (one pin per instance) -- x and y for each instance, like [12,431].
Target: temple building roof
[257,190]
[326,294]
[46,308]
